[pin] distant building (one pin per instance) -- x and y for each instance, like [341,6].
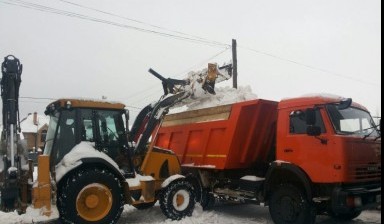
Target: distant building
[34,129]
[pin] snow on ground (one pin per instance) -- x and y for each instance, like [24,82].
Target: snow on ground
[31,216]
[221,214]
[227,214]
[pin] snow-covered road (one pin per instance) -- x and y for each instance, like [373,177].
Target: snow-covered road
[221,214]
[228,214]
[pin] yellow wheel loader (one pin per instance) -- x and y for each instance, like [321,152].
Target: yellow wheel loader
[96,169]
[93,164]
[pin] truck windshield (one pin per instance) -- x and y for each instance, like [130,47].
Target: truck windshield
[352,121]
[51,133]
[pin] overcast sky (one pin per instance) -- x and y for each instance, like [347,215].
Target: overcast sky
[95,48]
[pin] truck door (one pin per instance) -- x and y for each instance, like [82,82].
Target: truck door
[312,154]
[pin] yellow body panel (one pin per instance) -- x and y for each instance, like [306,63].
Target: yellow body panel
[41,193]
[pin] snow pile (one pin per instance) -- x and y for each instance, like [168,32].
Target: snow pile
[170,179]
[135,182]
[72,159]
[224,95]
[31,215]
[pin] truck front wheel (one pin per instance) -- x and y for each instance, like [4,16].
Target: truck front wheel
[178,200]
[90,196]
[289,205]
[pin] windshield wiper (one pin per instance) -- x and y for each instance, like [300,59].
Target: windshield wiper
[374,128]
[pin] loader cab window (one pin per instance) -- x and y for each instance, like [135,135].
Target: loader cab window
[110,128]
[53,121]
[87,126]
[298,124]
[65,139]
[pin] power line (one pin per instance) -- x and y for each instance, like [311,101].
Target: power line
[43,8]
[36,98]
[199,40]
[209,42]
[134,20]
[308,66]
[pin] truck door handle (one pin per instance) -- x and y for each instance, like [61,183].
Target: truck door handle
[288,150]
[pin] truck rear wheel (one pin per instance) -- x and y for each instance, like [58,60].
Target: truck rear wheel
[289,205]
[90,196]
[178,200]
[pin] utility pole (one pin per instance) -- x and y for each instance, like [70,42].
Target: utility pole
[234,63]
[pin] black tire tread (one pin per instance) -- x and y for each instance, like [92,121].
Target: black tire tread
[167,195]
[307,213]
[74,183]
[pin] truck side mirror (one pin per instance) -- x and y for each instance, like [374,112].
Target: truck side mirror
[313,130]
[310,116]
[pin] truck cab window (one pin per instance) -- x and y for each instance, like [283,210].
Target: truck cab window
[352,121]
[298,125]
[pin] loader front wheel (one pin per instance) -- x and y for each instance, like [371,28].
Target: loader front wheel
[178,200]
[90,196]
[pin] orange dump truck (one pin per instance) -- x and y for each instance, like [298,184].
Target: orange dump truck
[301,156]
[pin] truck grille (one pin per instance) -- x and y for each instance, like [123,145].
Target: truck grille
[365,171]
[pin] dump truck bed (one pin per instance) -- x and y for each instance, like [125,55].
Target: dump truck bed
[231,136]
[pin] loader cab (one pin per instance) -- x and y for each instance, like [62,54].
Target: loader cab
[100,123]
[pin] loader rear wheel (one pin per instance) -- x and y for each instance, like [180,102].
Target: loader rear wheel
[90,196]
[178,200]
[290,205]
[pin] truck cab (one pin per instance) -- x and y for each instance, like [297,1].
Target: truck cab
[334,145]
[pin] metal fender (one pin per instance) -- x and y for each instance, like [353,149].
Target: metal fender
[90,162]
[285,172]
[170,179]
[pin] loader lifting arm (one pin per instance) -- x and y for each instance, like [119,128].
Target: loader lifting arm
[150,117]
[175,91]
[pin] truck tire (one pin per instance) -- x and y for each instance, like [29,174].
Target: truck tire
[290,205]
[177,200]
[90,196]
[345,216]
